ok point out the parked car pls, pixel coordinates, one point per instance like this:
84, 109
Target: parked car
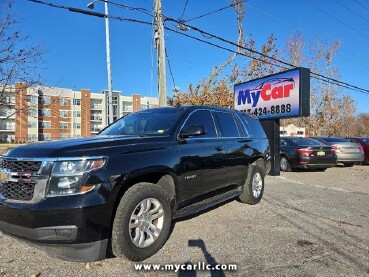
347, 152
125, 185
364, 141
298, 152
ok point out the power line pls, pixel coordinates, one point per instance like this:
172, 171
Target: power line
261, 54
361, 4
300, 31
333, 81
347, 8
338, 20
218, 10
170, 69
184, 9
91, 13
143, 10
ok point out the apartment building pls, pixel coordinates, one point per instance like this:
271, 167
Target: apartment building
30, 114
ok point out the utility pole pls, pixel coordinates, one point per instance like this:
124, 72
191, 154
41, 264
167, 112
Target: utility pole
160, 49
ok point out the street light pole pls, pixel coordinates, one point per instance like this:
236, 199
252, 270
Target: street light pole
108, 65
108, 61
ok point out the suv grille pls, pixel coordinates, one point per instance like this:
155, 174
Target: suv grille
20, 166
18, 179
17, 191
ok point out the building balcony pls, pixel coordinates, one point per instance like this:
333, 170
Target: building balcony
7, 128
95, 129
128, 109
7, 115
96, 107
96, 118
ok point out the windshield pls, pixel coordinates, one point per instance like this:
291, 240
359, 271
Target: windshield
149, 122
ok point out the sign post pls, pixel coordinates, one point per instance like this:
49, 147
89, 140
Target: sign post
282, 95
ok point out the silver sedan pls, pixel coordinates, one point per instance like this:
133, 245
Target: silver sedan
347, 152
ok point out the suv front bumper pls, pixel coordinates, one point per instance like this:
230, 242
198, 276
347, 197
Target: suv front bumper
72, 228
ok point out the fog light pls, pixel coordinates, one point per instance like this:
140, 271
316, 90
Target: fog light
65, 233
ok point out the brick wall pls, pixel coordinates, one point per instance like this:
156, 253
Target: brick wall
136, 102
21, 115
85, 113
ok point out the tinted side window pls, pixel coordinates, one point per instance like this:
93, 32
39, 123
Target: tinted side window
227, 125
241, 128
255, 129
203, 118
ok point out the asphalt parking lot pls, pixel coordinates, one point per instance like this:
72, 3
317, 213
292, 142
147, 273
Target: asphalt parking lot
308, 224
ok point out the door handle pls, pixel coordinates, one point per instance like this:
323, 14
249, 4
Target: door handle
219, 148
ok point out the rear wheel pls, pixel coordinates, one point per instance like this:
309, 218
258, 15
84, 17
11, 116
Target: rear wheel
348, 164
253, 188
285, 165
142, 222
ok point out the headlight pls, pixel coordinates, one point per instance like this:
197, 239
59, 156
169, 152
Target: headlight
69, 177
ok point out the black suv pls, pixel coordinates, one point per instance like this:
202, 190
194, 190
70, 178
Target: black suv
125, 185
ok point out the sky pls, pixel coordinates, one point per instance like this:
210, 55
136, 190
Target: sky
76, 51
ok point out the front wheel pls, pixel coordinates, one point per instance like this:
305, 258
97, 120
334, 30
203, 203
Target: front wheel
253, 188
142, 222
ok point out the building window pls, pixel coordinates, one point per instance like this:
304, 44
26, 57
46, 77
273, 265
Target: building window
45, 112
127, 106
145, 106
63, 125
32, 124
76, 125
45, 124
77, 102
32, 112
64, 136
76, 114
63, 102
63, 114
32, 99
44, 137
45, 100
32, 137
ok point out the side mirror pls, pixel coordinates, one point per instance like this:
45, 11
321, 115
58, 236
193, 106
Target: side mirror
192, 131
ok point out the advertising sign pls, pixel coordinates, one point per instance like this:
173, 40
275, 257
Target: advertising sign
281, 95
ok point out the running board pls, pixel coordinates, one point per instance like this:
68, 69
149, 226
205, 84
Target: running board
206, 203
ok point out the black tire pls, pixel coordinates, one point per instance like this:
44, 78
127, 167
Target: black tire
285, 164
348, 164
122, 244
248, 196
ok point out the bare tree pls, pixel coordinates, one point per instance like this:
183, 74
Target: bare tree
19, 59
330, 108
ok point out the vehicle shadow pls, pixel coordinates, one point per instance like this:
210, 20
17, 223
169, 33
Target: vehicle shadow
210, 261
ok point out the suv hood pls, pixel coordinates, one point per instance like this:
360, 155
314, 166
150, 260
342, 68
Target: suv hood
94, 146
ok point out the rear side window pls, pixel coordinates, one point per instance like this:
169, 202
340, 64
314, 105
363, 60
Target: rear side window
227, 125
202, 118
334, 139
253, 126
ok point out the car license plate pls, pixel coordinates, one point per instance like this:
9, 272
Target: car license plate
320, 153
